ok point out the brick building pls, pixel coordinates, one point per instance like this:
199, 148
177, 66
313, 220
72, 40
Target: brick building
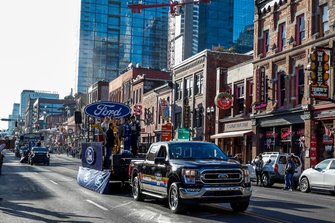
195, 89
293, 90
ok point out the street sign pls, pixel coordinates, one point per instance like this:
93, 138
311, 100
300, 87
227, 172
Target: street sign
183, 134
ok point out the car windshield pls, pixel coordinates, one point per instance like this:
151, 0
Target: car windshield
40, 149
269, 159
196, 151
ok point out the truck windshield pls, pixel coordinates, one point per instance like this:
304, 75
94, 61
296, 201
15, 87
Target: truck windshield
196, 151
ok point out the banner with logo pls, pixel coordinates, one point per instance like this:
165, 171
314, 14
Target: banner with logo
92, 155
103, 109
94, 179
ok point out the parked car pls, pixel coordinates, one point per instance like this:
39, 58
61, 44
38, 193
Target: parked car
274, 168
190, 172
252, 172
320, 177
39, 155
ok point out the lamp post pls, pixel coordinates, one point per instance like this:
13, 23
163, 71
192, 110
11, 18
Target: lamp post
210, 113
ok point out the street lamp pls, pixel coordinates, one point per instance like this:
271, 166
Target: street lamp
210, 113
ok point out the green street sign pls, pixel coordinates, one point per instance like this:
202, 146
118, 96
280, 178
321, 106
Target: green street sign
183, 134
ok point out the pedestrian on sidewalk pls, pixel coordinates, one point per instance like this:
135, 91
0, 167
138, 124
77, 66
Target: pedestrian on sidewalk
289, 172
2, 156
259, 163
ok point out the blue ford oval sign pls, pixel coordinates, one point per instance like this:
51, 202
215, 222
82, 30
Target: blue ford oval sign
107, 109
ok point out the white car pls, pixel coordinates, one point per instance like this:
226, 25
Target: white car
320, 177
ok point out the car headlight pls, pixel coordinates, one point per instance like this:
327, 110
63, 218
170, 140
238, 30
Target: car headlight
189, 176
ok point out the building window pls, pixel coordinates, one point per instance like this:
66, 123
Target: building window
178, 90
133, 97
266, 42
177, 123
300, 29
239, 97
324, 17
188, 87
199, 80
281, 89
281, 36
227, 112
300, 82
140, 99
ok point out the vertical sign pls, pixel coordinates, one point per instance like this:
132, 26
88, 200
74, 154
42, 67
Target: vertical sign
260, 89
319, 73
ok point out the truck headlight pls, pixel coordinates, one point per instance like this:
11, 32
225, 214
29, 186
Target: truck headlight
246, 176
189, 176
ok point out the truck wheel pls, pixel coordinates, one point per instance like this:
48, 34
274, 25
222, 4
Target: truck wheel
138, 196
175, 202
239, 206
304, 185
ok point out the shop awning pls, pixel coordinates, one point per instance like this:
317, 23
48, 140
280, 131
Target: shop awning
230, 134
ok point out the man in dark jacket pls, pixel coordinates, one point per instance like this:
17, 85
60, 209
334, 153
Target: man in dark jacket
289, 172
109, 144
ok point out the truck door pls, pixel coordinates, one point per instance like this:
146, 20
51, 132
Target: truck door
161, 171
148, 178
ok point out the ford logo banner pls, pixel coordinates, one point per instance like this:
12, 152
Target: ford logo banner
107, 109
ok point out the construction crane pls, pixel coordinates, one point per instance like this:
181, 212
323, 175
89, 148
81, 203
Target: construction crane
174, 6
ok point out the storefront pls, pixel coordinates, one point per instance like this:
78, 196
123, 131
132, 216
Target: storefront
284, 133
236, 140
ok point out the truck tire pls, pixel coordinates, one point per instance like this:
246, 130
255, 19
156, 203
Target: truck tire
174, 200
137, 195
239, 206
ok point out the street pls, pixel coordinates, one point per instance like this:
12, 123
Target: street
51, 194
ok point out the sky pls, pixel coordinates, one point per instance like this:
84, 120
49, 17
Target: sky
39, 44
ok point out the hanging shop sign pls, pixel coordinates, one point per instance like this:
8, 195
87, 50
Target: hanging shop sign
167, 132
107, 109
319, 73
137, 109
223, 100
260, 89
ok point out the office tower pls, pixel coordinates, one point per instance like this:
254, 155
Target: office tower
227, 24
113, 38
32, 94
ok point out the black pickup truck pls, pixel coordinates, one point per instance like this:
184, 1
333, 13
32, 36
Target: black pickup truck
190, 172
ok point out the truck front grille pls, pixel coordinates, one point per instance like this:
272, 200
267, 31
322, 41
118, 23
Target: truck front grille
221, 176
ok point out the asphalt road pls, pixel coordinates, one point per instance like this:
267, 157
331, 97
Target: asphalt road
51, 194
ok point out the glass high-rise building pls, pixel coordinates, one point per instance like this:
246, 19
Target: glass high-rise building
26, 95
112, 37
227, 23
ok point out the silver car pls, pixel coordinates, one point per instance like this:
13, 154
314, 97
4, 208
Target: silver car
320, 177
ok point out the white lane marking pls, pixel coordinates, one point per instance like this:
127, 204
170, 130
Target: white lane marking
36, 173
97, 205
121, 205
53, 182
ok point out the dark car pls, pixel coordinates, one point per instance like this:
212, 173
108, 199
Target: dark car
190, 172
39, 155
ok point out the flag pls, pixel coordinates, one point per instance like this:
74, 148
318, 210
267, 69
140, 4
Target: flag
326, 129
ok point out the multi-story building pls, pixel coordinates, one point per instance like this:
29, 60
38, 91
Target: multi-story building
202, 26
157, 114
32, 94
98, 91
294, 78
195, 89
235, 87
112, 37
